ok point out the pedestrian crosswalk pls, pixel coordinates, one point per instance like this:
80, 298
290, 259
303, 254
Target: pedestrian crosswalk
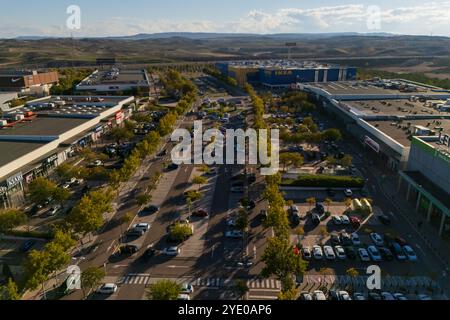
210, 282
135, 279
264, 284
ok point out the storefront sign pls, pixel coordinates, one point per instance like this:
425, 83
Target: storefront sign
119, 117
99, 129
372, 144
52, 159
14, 180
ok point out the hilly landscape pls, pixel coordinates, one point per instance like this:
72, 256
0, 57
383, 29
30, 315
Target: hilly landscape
386, 51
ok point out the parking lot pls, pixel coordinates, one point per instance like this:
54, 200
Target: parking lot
335, 249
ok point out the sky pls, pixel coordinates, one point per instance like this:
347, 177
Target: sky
120, 18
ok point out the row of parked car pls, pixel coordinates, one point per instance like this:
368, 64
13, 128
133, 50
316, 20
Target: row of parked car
340, 295
349, 246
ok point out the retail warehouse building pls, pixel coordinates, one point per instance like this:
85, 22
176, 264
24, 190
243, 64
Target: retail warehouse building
36, 138
284, 73
116, 80
405, 126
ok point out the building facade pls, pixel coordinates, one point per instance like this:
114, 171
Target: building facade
28, 82
426, 182
45, 133
284, 73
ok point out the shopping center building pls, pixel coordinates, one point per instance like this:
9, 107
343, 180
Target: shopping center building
38, 137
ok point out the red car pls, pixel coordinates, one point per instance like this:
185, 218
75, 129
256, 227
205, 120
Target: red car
200, 213
355, 222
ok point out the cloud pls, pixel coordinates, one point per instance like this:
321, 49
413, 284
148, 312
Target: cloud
414, 19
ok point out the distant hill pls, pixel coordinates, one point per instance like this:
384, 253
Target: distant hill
347, 48
211, 36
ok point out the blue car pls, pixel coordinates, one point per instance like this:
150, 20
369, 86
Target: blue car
27, 246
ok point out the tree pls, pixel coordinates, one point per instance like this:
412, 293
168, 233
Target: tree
143, 199
36, 269
242, 221
193, 196
10, 219
60, 195
311, 202
332, 134
347, 160
199, 181
180, 232
88, 214
126, 219
352, 272
289, 295
91, 278
9, 291
324, 232
348, 202
65, 171
241, 288
328, 203
282, 262
121, 134
291, 159
58, 250
41, 189
164, 290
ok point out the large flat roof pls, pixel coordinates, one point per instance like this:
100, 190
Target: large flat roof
282, 65
402, 131
394, 87
42, 126
398, 107
14, 150
106, 77
52, 122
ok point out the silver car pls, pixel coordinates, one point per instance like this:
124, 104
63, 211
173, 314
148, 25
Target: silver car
329, 253
317, 253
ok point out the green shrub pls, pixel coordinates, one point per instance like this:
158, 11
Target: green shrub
31, 234
324, 181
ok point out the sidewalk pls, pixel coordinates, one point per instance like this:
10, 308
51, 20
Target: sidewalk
428, 233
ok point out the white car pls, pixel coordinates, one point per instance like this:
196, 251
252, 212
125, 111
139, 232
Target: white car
374, 253
348, 192
355, 239
53, 211
410, 253
345, 220
340, 252
108, 288
344, 296
98, 163
317, 253
71, 181
364, 255
234, 234
187, 288
377, 239
319, 296
337, 220
144, 227
329, 253
184, 297
171, 251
